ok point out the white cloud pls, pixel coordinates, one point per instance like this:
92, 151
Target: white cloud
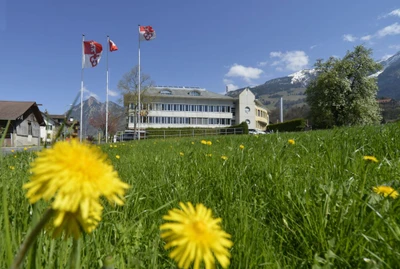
393, 29
246, 73
112, 93
313, 47
366, 37
88, 94
396, 47
232, 87
229, 83
275, 54
290, 60
349, 38
395, 12
262, 63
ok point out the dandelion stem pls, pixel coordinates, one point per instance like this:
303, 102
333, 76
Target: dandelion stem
75, 258
364, 179
19, 258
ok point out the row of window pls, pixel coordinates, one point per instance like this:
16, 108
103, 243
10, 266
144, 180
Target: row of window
168, 92
183, 120
261, 113
182, 107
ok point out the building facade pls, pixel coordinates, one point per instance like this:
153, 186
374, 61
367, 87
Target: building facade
25, 122
179, 107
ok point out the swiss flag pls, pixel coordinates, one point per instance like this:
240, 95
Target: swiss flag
113, 47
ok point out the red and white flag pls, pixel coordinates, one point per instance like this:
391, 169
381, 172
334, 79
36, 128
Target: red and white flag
112, 45
91, 53
147, 33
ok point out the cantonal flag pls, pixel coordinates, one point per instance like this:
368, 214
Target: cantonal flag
91, 53
112, 45
147, 33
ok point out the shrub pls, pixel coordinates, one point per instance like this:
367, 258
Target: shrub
295, 125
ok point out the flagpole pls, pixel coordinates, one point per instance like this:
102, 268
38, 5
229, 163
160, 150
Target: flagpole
81, 120
108, 45
139, 87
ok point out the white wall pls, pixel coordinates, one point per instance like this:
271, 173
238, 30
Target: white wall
246, 100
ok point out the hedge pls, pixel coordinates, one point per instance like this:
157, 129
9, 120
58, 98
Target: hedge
295, 125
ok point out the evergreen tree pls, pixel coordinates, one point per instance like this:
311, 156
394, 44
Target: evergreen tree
343, 94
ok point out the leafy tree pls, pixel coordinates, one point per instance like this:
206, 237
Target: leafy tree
129, 88
343, 93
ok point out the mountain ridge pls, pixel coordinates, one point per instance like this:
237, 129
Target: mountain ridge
292, 87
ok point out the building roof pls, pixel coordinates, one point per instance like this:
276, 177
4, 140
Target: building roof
13, 110
185, 92
56, 116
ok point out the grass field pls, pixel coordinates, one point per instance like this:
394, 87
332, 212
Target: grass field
304, 205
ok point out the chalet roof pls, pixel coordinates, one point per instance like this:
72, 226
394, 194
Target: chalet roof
12, 110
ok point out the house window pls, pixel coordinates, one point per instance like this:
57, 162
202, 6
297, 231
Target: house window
166, 92
29, 128
49, 127
194, 93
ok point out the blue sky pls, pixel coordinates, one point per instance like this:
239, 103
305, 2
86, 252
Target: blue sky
207, 43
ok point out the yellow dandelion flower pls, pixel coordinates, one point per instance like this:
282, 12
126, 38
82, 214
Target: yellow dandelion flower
204, 142
117, 156
115, 146
12, 167
195, 237
75, 175
15, 156
73, 223
192, 143
12, 150
386, 191
241, 147
209, 155
181, 153
209, 143
291, 141
111, 146
223, 157
370, 159
25, 148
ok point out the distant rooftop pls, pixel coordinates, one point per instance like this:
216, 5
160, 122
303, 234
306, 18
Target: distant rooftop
184, 92
180, 88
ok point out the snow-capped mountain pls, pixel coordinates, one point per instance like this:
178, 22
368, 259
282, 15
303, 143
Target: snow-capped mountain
389, 79
303, 76
386, 63
292, 87
390, 61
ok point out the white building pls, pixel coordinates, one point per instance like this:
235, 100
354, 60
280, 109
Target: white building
47, 132
178, 107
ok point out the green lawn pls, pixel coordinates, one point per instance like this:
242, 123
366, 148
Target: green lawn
305, 205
